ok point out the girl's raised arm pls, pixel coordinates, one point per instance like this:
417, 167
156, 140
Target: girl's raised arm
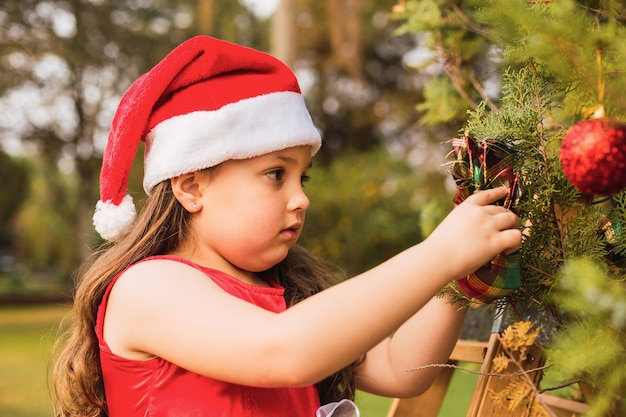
188, 320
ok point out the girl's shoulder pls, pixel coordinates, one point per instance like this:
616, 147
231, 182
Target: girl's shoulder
154, 288
165, 271
165, 261
168, 266
160, 275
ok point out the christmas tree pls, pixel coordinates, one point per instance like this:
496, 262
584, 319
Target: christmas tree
556, 125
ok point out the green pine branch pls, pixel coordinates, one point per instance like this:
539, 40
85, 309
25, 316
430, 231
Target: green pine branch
559, 223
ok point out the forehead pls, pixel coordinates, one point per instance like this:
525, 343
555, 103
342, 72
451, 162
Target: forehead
298, 155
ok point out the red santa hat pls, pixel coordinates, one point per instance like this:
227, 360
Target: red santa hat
206, 102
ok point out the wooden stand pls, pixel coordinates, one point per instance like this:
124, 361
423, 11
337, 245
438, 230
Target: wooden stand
482, 403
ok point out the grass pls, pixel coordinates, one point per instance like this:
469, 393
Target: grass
26, 337
455, 403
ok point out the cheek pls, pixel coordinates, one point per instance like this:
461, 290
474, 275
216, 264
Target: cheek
241, 218
235, 206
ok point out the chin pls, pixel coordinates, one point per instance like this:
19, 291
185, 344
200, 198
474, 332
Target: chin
262, 261
271, 263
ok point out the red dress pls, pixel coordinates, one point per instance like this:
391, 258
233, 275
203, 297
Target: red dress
158, 388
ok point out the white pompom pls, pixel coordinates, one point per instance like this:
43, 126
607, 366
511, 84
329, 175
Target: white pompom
111, 220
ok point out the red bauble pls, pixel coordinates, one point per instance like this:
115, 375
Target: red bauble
593, 156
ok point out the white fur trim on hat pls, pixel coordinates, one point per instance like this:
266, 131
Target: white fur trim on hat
110, 220
244, 129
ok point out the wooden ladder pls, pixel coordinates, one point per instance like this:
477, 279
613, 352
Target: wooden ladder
482, 404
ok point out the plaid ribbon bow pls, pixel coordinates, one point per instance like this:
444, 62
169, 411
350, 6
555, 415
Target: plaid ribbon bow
480, 166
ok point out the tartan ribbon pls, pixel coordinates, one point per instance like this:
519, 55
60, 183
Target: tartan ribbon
480, 166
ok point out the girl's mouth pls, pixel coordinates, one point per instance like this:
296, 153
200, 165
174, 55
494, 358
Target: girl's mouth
292, 232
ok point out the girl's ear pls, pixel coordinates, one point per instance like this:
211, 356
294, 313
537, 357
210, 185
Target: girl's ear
186, 189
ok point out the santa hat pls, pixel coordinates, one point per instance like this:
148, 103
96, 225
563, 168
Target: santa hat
206, 102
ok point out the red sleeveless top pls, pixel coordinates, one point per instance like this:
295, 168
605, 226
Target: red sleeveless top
158, 388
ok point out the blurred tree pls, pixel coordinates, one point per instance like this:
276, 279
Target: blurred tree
456, 50
283, 32
41, 223
14, 176
345, 32
64, 65
354, 73
206, 16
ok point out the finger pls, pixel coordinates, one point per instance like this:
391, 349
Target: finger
507, 220
495, 210
512, 239
485, 197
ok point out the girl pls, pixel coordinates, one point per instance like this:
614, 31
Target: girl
204, 305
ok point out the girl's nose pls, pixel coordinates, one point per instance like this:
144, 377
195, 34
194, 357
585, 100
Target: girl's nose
299, 200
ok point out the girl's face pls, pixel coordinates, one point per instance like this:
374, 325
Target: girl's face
252, 210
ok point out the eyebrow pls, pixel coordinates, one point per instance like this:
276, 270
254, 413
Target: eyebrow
291, 160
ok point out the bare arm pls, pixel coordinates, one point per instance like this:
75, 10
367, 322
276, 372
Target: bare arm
185, 318
426, 338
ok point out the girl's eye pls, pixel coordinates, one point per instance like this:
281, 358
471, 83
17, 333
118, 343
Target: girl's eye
304, 179
276, 174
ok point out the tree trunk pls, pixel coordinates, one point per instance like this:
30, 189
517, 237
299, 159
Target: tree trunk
344, 20
206, 14
283, 43
87, 189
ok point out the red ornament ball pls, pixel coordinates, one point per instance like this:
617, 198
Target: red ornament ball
593, 156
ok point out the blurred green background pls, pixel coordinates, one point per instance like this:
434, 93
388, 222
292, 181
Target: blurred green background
26, 337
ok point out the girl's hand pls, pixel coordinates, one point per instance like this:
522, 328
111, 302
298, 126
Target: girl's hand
475, 232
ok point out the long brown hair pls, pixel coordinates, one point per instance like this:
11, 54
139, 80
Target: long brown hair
160, 228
